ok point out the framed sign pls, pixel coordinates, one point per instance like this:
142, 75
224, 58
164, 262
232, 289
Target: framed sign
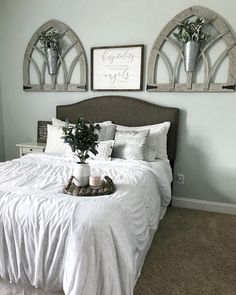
42, 131
117, 68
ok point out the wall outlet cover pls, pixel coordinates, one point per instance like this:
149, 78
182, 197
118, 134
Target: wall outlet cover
180, 178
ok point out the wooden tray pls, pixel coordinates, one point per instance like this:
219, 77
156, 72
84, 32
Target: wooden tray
107, 187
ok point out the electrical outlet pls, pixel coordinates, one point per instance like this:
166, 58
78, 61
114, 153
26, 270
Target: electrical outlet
180, 178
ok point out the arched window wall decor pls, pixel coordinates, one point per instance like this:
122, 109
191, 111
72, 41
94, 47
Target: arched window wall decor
71, 73
216, 64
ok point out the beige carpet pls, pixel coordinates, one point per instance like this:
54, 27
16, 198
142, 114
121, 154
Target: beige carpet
194, 253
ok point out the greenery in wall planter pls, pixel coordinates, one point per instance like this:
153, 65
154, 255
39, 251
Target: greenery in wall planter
50, 42
190, 34
191, 31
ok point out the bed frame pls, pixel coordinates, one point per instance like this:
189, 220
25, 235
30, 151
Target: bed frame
126, 111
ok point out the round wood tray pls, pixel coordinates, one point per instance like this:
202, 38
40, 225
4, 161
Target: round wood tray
107, 187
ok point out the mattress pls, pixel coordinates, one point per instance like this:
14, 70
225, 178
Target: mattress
70, 245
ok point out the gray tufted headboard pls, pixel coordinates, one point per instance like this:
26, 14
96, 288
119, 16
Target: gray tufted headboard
124, 111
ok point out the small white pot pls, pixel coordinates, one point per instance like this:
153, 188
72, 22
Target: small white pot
81, 173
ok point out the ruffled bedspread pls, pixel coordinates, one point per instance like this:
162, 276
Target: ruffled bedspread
81, 245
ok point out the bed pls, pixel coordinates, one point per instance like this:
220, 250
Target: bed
52, 243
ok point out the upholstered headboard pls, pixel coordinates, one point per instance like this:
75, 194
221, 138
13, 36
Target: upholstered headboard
124, 111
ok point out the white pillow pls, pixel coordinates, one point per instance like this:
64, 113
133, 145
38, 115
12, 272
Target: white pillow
55, 143
104, 149
107, 131
130, 145
60, 123
156, 142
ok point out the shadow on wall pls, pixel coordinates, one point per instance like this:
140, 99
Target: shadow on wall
205, 176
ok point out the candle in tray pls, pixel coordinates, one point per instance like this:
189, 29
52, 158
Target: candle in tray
95, 181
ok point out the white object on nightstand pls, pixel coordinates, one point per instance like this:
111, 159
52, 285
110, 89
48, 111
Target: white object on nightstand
30, 147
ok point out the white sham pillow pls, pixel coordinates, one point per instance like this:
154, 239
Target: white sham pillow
107, 131
55, 142
156, 147
104, 149
130, 145
59, 123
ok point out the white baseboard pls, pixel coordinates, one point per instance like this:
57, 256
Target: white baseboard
204, 205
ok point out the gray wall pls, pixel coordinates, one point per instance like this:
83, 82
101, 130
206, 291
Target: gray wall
2, 154
207, 139
2, 149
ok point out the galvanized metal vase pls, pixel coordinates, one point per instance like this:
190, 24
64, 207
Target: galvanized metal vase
191, 50
52, 58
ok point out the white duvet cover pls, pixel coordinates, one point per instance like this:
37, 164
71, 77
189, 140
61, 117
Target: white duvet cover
79, 245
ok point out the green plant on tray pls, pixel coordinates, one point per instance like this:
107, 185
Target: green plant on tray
82, 138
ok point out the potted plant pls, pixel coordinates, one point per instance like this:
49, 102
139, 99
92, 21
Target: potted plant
83, 140
191, 35
50, 42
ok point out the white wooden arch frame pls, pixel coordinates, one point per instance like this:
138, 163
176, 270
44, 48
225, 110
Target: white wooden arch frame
80, 58
223, 32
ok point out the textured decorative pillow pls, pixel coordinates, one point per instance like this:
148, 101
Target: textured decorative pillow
106, 132
157, 140
104, 149
55, 144
130, 145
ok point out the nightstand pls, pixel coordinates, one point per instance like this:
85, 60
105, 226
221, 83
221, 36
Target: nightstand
30, 147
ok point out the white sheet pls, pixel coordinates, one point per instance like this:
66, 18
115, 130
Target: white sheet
89, 246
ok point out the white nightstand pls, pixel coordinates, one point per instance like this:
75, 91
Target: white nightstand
30, 147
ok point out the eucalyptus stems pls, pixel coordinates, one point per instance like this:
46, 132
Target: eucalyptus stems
82, 138
50, 39
191, 31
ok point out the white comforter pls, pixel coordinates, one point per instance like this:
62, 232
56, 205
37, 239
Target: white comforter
89, 246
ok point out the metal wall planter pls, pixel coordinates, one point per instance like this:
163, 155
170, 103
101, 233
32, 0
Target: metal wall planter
52, 57
191, 51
